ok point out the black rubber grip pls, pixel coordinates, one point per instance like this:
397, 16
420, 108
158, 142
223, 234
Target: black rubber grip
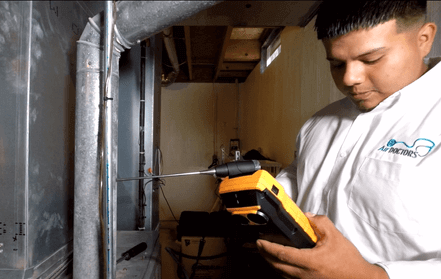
238, 168
134, 251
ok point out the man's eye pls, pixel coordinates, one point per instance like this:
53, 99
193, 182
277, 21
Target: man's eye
370, 62
337, 64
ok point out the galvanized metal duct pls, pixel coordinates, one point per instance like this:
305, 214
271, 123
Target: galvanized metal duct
135, 21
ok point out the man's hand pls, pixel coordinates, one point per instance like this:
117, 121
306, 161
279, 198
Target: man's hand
333, 257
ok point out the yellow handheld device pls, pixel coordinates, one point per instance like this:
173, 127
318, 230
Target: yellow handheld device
262, 200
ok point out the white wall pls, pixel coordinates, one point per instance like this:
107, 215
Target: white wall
196, 119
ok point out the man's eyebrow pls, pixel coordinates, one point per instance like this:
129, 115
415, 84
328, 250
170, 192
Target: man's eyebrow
371, 51
330, 59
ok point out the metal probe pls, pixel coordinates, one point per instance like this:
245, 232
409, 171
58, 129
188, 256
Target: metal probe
212, 171
231, 169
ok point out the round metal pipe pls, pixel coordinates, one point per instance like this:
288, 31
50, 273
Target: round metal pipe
107, 164
88, 256
169, 44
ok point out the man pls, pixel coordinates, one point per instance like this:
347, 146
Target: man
369, 165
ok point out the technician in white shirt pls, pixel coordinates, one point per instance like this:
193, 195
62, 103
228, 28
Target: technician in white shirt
369, 165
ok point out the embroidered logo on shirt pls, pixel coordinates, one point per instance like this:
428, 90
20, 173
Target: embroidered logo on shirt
421, 147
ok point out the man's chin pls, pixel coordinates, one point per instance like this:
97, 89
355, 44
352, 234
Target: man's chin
365, 106
365, 109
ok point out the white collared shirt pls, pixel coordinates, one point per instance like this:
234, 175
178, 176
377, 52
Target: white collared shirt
377, 176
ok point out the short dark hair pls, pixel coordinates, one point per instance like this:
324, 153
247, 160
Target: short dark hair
336, 17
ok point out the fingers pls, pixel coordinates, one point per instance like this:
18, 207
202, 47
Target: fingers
333, 255
323, 227
272, 249
293, 261
283, 254
279, 257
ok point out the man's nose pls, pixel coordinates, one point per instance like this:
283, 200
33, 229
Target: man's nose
354, 74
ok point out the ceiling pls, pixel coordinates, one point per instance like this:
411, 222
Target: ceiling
222, 44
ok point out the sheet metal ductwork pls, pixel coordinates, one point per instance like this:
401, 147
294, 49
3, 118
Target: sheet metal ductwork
135, 21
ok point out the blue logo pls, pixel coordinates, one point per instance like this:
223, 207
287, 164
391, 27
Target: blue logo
420, 147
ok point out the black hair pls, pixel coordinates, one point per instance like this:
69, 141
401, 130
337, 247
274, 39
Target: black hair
336, 17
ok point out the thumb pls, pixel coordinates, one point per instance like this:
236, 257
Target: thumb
310, 215
320, 224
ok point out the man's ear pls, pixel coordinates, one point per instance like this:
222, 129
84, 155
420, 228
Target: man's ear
426, 36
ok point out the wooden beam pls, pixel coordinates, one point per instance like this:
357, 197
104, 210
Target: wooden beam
234, 74
246, 33
238, 66
243, 50
222, 52
188, 51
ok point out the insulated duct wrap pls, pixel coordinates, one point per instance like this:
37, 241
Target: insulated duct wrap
138, 20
